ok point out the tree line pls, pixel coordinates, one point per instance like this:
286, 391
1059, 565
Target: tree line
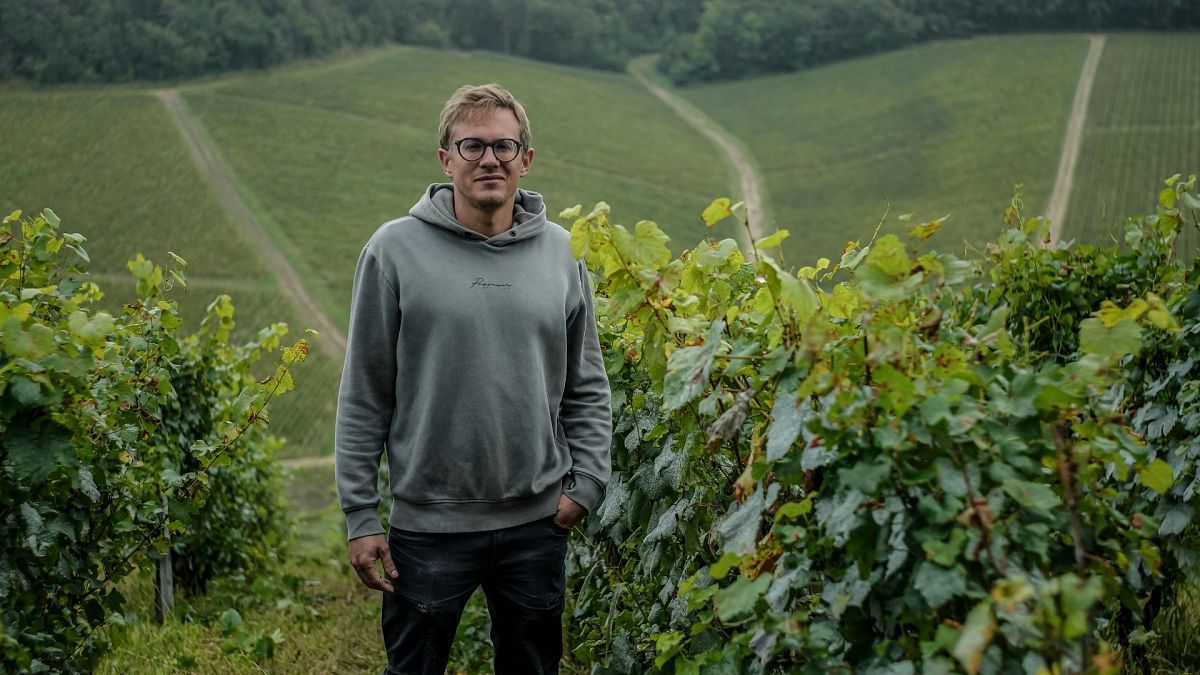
52, 41
739, 38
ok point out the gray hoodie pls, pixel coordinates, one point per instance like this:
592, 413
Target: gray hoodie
474, 362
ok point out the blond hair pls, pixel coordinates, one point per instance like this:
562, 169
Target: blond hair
471, 100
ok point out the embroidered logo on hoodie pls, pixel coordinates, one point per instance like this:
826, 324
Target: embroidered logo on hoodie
483, 283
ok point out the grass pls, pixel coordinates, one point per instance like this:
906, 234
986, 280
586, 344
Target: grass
331, 152
328, 621
945, 127
1143, 126
111, 164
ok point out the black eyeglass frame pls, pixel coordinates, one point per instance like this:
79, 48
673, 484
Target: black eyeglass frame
458, 146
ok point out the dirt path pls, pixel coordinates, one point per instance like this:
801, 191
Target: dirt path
1056, 212
747, 178
306, 462
332, 341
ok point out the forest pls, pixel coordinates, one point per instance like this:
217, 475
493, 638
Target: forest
49, 41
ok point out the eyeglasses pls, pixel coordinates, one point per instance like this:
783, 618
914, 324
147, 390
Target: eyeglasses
472, 149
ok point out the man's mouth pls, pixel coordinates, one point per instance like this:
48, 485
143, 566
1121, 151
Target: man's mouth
485, 179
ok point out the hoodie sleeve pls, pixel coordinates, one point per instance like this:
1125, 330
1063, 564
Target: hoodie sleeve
366, 399
586, 411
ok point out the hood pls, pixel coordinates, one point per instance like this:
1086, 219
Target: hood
436, 208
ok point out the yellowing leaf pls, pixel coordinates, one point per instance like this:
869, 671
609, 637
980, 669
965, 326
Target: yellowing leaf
1151, 555
22, 311
976, 634
924, 231
1159, 315
297, 352
580, 240
772, 240
1167, 198
571, 213
841, 302
717, 211
811, 272
889, 256
1157, 476
140, 267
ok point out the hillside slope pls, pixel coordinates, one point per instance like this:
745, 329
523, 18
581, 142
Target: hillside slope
330, 153
112, 165
947, 127
1144, 126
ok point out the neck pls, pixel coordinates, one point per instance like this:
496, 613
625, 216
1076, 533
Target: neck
488, 222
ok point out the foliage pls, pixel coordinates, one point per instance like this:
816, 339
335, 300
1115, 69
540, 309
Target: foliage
65, 41
737, 38
874, 465
115, 432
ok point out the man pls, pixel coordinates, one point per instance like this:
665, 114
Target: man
473, 359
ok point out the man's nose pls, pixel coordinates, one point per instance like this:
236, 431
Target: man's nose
493, 161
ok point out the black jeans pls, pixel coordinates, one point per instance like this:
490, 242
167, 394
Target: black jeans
522, 572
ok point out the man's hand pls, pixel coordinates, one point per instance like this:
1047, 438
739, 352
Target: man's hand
364, 551
568, 513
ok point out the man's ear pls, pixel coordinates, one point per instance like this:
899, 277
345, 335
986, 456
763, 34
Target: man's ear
526, 162
444, 158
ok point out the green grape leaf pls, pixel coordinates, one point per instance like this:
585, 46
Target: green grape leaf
35, 450
796, 295
786, 422
1124, 337
946, 552
615, 499
1031, 495
938, 584
30, 343
229, 622
739, 598
739, 530
853, 256
688, 369
1176, 519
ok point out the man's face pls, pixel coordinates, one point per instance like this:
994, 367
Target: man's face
486, 184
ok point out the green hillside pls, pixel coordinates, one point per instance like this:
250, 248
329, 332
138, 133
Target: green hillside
329, 153
1143, 125
324, 155
947, 127
111, 164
